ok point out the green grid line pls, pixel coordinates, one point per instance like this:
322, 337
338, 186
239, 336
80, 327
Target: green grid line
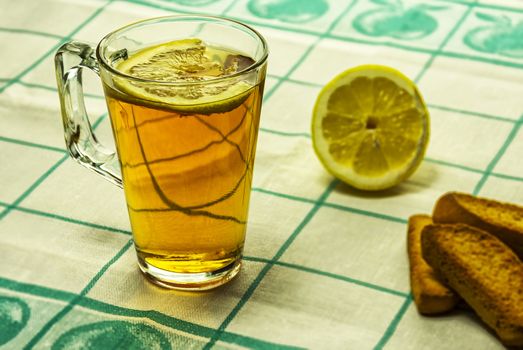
154, 316
298, 82
394, 324
54, 89
330, 275
32, 144
471, 113
285, 133
46, 87
57, 317
283, 195
472, 58
64, 218
37, 290
507, 177
498, 156
453, 165
366, 213
487, 6
54, 48
449, 35
30, 32
341, 207
462, 56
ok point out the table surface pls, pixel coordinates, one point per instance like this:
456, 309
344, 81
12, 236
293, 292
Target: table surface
325, 266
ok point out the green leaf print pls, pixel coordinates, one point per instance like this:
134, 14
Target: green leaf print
396, 21
113, 335
14, 314
294, 11
499, 36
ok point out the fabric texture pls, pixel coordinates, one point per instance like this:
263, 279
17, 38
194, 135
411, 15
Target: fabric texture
325, 266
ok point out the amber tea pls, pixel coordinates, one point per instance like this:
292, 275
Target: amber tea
187, 169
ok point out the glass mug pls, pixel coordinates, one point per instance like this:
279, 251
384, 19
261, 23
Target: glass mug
184, 95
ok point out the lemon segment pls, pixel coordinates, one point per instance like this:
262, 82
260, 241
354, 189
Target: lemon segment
179, 75
370, 127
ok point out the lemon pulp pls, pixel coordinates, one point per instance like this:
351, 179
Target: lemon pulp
187, 76
370, 127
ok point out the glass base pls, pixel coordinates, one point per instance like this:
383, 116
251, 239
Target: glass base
189, 281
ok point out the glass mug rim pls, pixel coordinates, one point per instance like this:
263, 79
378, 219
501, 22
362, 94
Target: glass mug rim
106, 39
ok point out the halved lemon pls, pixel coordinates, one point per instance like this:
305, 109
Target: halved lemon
370, 127
195, 69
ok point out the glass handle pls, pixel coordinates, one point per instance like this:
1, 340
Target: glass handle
81, 142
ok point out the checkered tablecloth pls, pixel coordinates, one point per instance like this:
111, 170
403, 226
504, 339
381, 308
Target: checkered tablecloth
325, 266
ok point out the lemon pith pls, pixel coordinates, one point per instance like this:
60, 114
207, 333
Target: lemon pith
370, 127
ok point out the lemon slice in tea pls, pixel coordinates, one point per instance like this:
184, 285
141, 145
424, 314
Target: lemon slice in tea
370, 127
193, 65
